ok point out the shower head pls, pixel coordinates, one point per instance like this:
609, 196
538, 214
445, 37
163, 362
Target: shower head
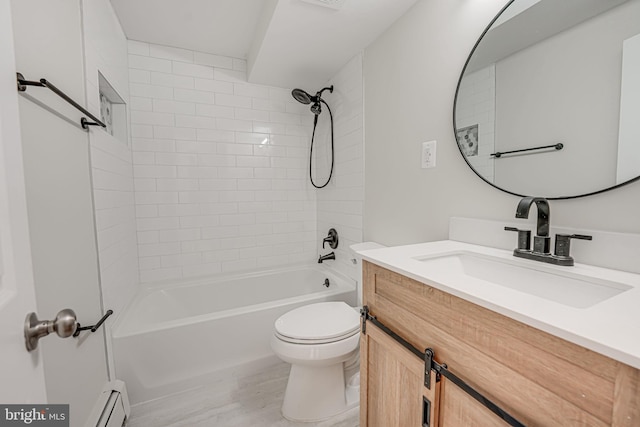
302, 97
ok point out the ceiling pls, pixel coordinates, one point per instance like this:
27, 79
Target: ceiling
287, 43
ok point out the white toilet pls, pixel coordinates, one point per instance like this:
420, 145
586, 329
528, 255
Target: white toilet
321, 343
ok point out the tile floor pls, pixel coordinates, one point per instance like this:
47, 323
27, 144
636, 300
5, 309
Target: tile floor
236, 402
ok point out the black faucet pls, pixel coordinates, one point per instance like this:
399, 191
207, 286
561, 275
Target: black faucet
330, 255
542, 241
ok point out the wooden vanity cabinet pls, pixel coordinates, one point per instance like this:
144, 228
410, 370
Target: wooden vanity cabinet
538, 378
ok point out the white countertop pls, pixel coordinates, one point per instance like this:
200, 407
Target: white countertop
610, 327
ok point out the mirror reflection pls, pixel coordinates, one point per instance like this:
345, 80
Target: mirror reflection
549, 101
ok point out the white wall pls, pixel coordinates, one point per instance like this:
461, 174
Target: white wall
340, 203
219, 167
105, 52
410, 76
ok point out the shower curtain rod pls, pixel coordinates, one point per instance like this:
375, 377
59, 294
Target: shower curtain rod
22, 87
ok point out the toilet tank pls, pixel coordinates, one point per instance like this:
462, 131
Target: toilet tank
356, 259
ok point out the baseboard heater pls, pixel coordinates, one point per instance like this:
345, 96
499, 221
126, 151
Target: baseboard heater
112, 407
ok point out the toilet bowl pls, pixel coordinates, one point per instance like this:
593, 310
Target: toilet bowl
321, 342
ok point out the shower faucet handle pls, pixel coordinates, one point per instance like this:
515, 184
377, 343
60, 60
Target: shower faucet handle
331, 239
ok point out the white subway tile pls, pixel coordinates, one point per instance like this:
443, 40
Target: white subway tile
216, 160
141, 131
182, 209
144, 184
236, 196
149, 144
267, 127
147, 224
140, 104
181, 260
149, 263
154, 198
189, 95
197, 172
251, 90
137, 48
269, 173
233, 100
213, 60
214, 86
167, 132
215, 135
287, 118
231, 266
195, 122
198, 221
234, 125
170, 53
193, 70
143, 158
235, 172
150, 91
228, 148
176, 159
179, 235
215, 111
223, 255
149, 64
168, 184
176, 107
268, 150
237, 219
247, 114
206, 244
218, 208
252, 161
238, 242
218, 184
139, 76
151, 118
268, 105
255, 207
229, 75
146, 211
171, 80
199, 196
155, 171
196, 147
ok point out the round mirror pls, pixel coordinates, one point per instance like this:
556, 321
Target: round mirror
548, 102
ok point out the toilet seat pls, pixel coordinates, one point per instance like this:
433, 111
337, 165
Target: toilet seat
319, 323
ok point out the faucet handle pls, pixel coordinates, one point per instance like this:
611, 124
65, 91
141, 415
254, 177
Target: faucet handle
563, 243
524, 238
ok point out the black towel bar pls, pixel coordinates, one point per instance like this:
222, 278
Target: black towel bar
22, 86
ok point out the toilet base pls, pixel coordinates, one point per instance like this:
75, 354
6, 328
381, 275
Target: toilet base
317, 393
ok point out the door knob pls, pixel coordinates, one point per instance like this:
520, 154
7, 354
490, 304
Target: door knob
65, 325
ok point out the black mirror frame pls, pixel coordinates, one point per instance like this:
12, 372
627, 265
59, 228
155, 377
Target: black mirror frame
455, 102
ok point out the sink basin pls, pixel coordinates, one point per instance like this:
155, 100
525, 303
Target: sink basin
562, 286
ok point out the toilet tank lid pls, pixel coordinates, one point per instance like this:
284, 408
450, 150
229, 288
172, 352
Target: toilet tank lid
365, 246
322, 320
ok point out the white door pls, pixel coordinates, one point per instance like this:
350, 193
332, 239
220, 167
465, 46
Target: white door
21, 373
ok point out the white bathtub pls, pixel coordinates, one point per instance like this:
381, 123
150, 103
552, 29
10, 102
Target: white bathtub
177, 336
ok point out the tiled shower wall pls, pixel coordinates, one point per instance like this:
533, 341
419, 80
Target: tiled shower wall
219, 167
340, 202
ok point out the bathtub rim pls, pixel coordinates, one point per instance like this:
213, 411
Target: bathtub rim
120, 330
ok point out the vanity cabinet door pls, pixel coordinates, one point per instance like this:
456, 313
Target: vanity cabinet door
460, 409
392, 391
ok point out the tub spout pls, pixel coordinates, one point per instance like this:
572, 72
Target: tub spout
330, 255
